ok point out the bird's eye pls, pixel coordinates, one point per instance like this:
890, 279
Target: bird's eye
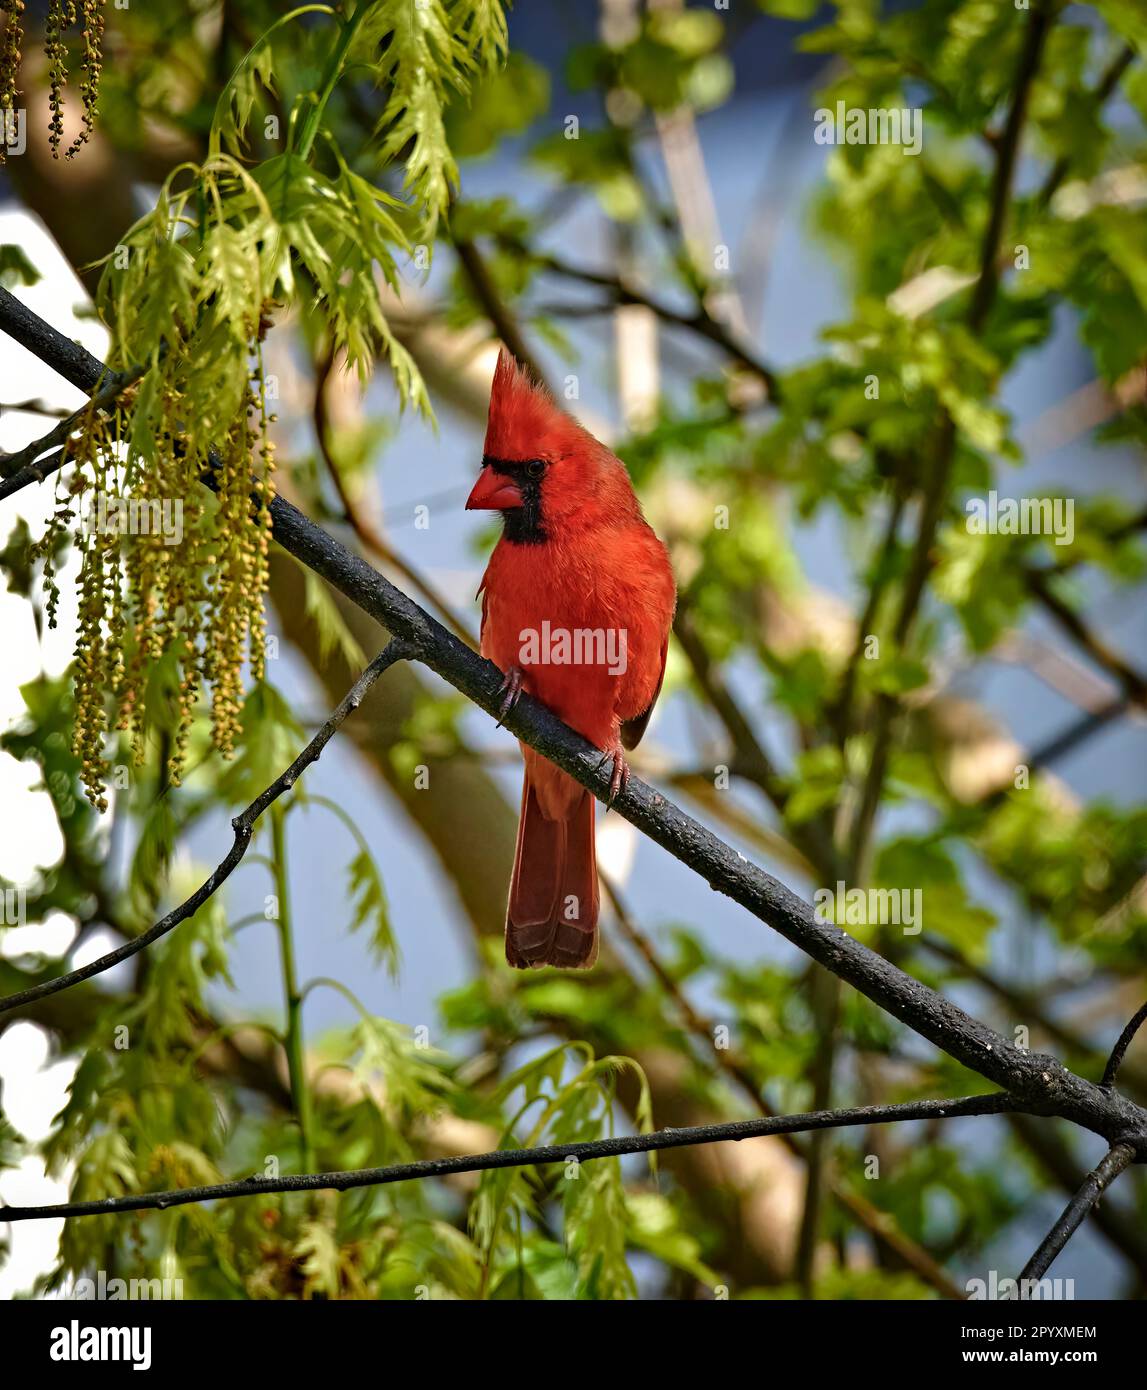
535, 468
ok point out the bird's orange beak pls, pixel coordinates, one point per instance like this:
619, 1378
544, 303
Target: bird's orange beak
493, 493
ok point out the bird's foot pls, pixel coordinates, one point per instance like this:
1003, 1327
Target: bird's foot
619, 780
510, 691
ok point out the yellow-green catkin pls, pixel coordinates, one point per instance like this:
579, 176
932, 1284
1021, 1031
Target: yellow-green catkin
99, 608
11, 44
91, 69
61, 15
264, 495
56, 51
140, 598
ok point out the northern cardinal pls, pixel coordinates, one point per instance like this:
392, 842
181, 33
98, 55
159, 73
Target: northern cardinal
577, 603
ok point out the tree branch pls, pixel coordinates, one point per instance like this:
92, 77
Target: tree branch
369, 535
1103, 90
1041, 1082
1134, 684
1119, 1051
244, 828
1117, 1158
1049, 1147
501, 320
996, 1104
35, 461
936, 489
750, 760
700, 321
880, 1225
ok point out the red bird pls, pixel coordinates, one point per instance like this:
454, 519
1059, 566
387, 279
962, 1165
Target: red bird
577, 602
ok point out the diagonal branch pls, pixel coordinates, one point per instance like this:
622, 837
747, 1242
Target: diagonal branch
750, 760
486, 292
369, 535
36, 461
1119, 1051
114, 385
998, 1103
1117, 1158
1042, 1082
1134, 683
244, 828
879, 1224
1103, 90
700, 321
1052, 1151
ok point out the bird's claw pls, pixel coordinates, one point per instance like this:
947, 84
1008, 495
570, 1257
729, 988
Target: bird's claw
510, 691
619, 779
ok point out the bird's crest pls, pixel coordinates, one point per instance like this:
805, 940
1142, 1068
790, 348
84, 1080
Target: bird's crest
524, 419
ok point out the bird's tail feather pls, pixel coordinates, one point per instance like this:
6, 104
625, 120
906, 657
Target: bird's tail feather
552, 913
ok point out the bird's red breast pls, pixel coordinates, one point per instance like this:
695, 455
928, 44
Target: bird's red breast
578, 596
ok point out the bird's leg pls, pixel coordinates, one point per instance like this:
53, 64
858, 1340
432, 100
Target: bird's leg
619, 781
510, 691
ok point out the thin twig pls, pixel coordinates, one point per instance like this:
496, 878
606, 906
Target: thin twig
1117, 1158
699, 321
244, 828
1104, 88
370, 537
1050, 1148
936, 489
751, 761
1133, 682
502, 321
996, 1104
880, 1225
34, 406
35, 462
841, 710
1119, 1051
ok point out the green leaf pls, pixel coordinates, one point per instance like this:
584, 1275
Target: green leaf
370, 909
15, 267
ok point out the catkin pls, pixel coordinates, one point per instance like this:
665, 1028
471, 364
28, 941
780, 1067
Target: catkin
91, 69
200, 600
61, 15
11, 45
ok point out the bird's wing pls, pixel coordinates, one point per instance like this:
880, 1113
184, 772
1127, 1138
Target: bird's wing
633, 730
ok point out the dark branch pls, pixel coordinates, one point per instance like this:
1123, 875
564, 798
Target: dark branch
1119, 1051
1049, 1146
501, 320
936, 488
878, 1223
700, 321
24, 460
1133, 682
244, 828
996, 1104
1104, 88
1119, 1157
1041, 1082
